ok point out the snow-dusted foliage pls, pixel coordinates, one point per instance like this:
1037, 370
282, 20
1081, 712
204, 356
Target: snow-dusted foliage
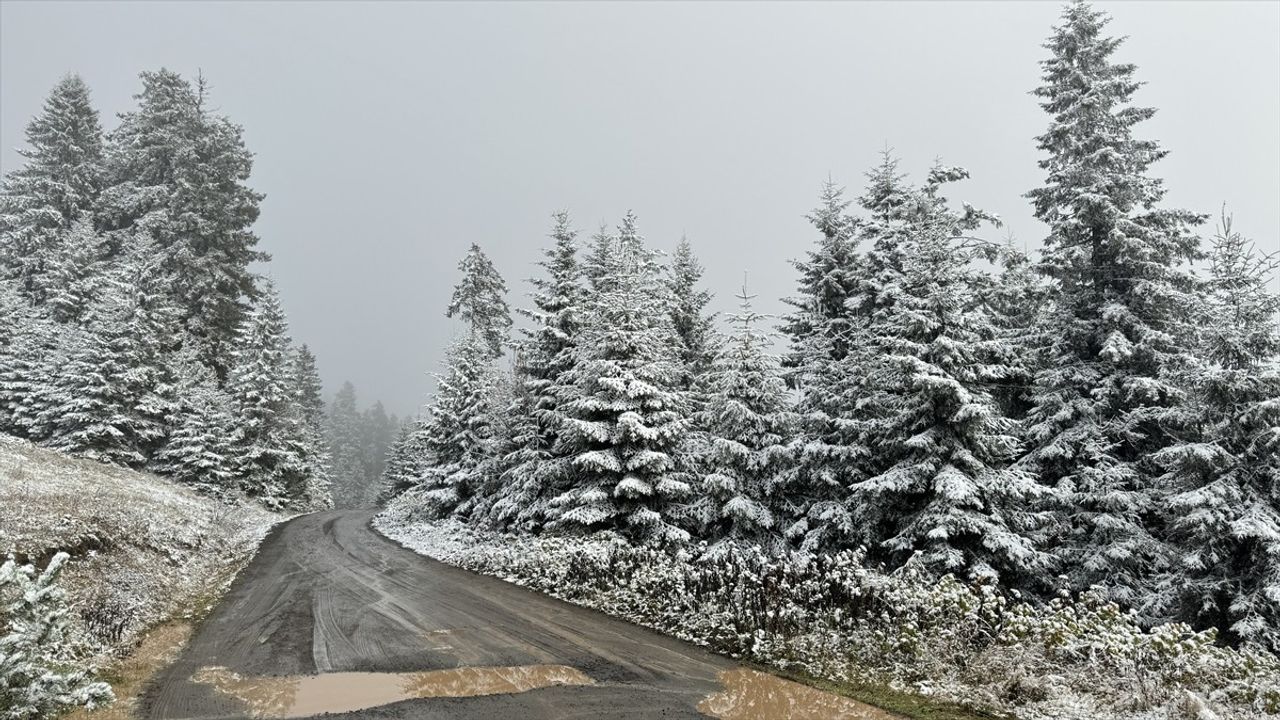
622, 416
693, 322
176, 173
458, 429
120, 259
747, 422
39, 676
57, 186
199, 451
308, 394
943, 487
833, 616
1223, 510
533, 471
1106, 402
478, 299
269, 433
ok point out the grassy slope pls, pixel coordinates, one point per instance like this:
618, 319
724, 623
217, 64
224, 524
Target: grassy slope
143, 548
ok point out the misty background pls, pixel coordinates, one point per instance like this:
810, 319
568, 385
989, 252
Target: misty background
388, 137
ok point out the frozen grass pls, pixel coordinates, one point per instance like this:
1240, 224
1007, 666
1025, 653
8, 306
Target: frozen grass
833, 618
143, 549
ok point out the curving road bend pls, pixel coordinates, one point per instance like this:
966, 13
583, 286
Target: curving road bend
327, 594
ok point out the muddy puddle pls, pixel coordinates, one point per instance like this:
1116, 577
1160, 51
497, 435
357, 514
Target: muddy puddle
305, 695
752, 695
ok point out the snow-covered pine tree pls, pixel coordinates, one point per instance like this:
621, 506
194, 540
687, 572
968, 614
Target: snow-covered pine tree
544, 355
57, 185
622, 415
1223, 514
457, 431
1104, 403
28, 362
346, 448
945, 486
693, 323
479, 300
177, 173
747, 419
376, 434
199, 451
36, 679
74, 270
308, 393
106, 400
403, 467
268, 430
809, 497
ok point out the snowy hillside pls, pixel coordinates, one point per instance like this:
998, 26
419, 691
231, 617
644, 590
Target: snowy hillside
142, 548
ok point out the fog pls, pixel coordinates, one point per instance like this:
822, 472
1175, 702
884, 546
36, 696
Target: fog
391, 136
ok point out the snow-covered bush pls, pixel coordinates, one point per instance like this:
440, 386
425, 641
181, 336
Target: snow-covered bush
39, 673
834, 616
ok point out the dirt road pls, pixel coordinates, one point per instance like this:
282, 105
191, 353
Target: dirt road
327, 594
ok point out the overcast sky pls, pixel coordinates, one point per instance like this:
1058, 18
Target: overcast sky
390, 136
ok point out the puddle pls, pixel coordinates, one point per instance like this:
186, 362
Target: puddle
752, 695
304, 695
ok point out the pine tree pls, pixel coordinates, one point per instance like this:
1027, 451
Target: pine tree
944, 486
58, 185
403, 467
1223, 516
693, 324
622, 416
199, 450
346, 447
377, 431
479, 300
268, 433
457, 431
1104, 403
824, 327
35, 635
308, 394
106, 401
747, 419
533, 473
177, 173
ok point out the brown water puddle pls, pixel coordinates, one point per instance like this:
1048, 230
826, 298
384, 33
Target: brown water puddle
752, 695
304, 695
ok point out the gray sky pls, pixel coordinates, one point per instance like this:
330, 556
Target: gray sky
390, 136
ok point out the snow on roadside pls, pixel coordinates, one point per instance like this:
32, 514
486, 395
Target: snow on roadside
143, 549
840, 620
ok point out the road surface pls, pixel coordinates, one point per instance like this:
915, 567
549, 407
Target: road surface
327, 594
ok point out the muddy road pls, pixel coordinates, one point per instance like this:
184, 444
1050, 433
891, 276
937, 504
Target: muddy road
333, 617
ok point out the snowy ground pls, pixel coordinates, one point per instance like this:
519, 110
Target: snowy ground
1080, 659
143, 549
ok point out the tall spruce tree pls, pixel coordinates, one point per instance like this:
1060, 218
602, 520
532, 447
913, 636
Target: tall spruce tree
268, 458
825, 326
622, 415
308, 394
747, 420
177, 173
944, 485
1223, 514
479, 300
57, 185
533, 472
346, 447
458, 431
694, 325
1104, 403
